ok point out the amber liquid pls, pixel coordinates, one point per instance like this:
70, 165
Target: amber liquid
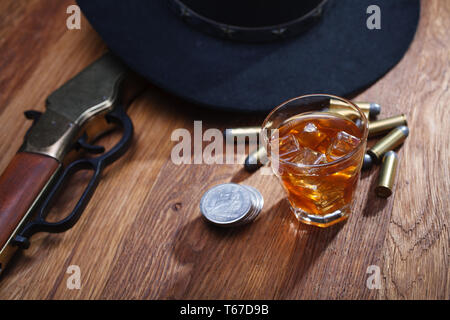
318, 164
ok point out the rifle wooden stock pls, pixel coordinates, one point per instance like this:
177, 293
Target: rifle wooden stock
20, 185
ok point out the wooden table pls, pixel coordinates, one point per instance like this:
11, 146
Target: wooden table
142, 237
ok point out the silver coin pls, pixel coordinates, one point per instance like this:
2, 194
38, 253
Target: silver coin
258, 203
226, 204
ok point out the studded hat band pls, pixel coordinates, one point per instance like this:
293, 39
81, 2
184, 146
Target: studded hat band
247, 34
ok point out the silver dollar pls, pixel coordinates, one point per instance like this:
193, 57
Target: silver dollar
226, 203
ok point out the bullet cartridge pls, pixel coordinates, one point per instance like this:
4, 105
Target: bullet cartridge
385, 125
256, 159
347, 112
392, 140
242, 132
387, 176
367, 162
369, 108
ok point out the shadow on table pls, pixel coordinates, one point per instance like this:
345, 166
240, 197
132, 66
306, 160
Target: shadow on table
374, 204
265, 259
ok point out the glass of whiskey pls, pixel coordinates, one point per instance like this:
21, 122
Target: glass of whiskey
316, 147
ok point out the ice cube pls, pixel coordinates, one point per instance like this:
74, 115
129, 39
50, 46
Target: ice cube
341, 145
330, 200
310, 127
307, 156
287, 147
322, 158
311, 137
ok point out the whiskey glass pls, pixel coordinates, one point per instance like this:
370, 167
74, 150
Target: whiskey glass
316, 145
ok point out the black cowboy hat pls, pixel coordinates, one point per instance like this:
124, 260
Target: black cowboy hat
250, 55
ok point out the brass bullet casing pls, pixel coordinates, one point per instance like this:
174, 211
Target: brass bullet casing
387, 176
256, 159
242, 132
389, 142
384, 125
348, 112
369, 108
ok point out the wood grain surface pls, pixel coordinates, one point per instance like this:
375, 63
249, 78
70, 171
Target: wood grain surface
142, 236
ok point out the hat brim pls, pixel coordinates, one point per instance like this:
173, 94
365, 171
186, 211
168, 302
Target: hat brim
338, 55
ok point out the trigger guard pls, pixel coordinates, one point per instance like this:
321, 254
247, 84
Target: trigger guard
97, 164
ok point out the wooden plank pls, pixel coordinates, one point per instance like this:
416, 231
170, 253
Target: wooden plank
416, 250
142, 235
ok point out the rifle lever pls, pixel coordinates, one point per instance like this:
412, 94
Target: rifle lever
97, 164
